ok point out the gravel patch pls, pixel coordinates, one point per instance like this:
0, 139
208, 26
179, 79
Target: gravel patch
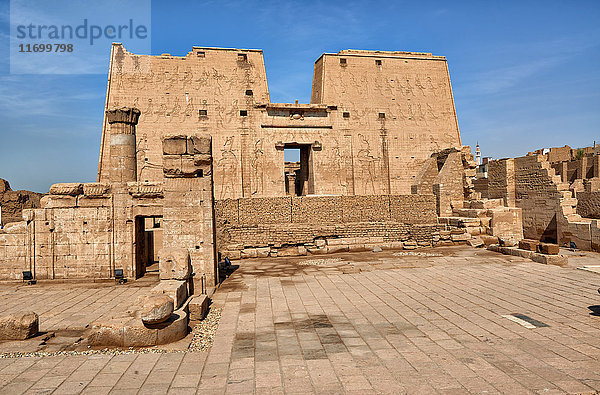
204, 332
415, 253
320, 262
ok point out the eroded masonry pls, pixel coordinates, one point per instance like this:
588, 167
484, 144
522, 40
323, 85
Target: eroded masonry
193, 170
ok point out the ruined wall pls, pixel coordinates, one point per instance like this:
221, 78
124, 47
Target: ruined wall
400, 106
449, 184
588, 204
13, 251
188, 202
13, 202
501, 180
538, 196
279, 222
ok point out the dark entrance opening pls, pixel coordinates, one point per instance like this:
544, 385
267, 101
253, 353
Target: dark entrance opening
148, 242
297, 171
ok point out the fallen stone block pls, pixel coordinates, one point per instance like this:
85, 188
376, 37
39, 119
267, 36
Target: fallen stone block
530, 245
19, 326
127, 331
175, 289
475, 242
558, 260
198, 307
377, 249
508, 242
489, 240
174, 264
460, 237
156, 309
547, 248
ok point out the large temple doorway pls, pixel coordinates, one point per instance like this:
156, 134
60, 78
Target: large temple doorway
297, 169
148, 242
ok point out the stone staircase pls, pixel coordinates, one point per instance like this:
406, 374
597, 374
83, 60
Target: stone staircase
486, 217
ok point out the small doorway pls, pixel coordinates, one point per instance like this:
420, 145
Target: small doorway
298, 181
148, 242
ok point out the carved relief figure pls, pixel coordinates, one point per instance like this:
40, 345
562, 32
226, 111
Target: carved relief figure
257, 164
368, 165
339, 166
228, 168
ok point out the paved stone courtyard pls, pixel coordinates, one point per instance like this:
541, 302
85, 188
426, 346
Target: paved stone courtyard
380, 324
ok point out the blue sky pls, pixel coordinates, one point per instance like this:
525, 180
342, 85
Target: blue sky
525, 74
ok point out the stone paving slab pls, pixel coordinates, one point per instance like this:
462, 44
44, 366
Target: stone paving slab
435, 327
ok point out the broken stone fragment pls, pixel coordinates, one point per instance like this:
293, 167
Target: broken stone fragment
475, 242
156, 309
174, 264
19, 326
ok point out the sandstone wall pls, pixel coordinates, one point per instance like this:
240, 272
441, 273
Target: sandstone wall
414, 94
13, 252
588, 204
13, 202
407, 209
368, 133
300, 221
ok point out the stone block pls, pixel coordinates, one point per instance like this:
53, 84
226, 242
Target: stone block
263, 252
248, 253
175, 289
19, 326
199, 145
175, 145
96, 189
530, 245
558, 260
156, 309
460, 237
547, 248
174, 263
475, 242
67, 188
198, 307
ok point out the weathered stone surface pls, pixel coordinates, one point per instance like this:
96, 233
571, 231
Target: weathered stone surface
176, 289
199, 145
475, 242
19, 326
198, 307
547, 248
96, 189
530, 245
174, 264
174, 145
156, 309
67, 188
